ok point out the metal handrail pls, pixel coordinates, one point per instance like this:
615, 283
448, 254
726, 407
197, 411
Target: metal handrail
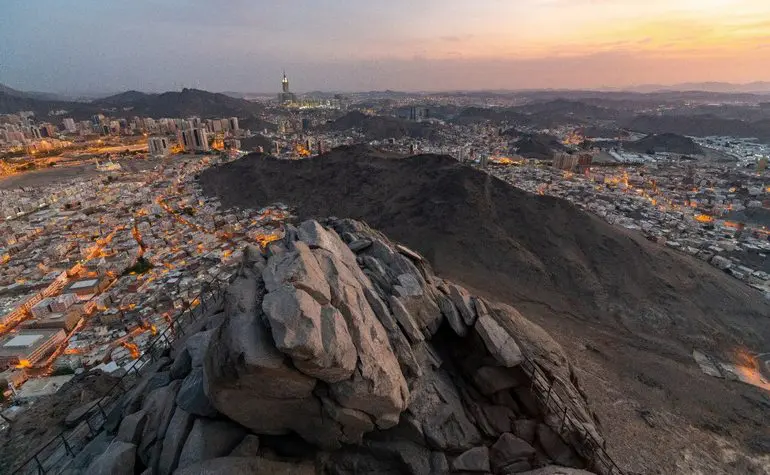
117, 389
568, 417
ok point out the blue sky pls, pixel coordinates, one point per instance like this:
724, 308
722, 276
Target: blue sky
88, 45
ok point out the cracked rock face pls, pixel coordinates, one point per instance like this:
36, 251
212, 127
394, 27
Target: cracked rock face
339, 337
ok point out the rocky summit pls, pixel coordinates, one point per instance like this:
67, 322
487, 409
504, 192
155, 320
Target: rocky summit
341, 352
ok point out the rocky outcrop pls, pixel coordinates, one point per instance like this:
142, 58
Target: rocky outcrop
341, 352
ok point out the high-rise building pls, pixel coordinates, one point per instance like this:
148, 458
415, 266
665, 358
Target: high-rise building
194, 140
158, 146
286, 97
565, 161
234, 123
69, 125
48, 130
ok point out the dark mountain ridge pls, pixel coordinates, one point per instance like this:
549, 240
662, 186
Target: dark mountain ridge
628, 310
381, 127
538, 146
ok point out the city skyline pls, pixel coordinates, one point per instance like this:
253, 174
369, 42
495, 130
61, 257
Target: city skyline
347, 46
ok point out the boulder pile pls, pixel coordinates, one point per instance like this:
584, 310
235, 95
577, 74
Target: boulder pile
340, 352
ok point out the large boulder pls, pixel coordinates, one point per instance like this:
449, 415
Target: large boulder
298, 269
556, 449
509, 450
181, 366
377, 387
192, 395
472, 460
159, 406
248, 447
196, 347
315, 337
499, 342
132, 427
81, 412
462, 300
176, 435
452, 315
209, 439
118, 459
247, 379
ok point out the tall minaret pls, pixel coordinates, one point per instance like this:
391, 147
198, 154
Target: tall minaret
285, 82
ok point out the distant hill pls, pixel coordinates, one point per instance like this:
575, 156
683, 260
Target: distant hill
257, 124
381, 127
186, 103
603, 132
493, 114
563, 111
10, 104
538, 146
253, 143
717, 87
512, 132
124, 98
671, 143
10, 91
699, 126
43, 96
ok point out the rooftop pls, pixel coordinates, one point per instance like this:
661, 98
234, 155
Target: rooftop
22, 341
84, 283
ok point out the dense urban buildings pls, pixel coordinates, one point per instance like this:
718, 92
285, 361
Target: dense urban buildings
106, 237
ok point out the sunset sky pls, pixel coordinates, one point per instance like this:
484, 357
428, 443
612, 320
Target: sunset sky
243, 45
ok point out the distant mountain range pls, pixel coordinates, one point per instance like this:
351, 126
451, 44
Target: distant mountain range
758, 87
43, 96
185, 103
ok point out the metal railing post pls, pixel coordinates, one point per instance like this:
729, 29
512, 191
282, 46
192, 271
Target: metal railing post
101, 409
90, 429
67, 447
563, 420
40, 468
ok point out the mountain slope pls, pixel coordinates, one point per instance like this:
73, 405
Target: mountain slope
542, 247
630, 311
